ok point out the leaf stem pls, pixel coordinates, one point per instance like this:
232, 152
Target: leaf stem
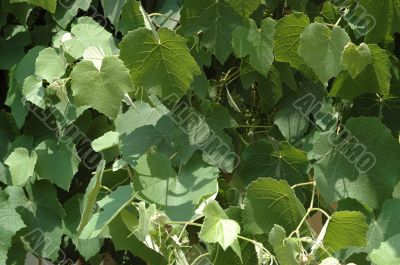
165, 16
199, 258
303, 184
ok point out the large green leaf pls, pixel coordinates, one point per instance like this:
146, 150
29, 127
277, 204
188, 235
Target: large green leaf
364, 166
57, 162
10, 224
374, 79
159, 63
269, 202
43, 216
131, 17
257, 43
287, 39
321, 48
110, 207
283, 161
101, 89
345, 229
216, 20
217, 227
245, 7
50, 65
177, 194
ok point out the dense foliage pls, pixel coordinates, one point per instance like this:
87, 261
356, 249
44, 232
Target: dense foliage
200, 131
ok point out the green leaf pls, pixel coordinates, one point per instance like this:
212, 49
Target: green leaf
245, 7
345, 229
145, 221
21, 164
363, 162
57, 162
216, 20
49, 5
34, 92
131, 17
87, 247
374, 79
112, 10
101, 89
269, 202
110, 207
321, 48
177, 194
108, 140
10, 224
164, 67
50, 65
378, 19
89, 199
42, 205
355, 59
217, 227
287, 40
122, 240
285, 249
257, 43
65, 13
388, 252
283, 161
88, 33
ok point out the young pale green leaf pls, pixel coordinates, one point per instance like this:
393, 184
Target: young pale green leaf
216, 20
164, 67
217, 227
355, 59
260, 159
21, 164
89, 199
388, 252
85, 33
345, 229
364, 165
322, 48
57, 162
101, 89
110, 206
34, 92
50, 65
177, 194
108, 140
269, 202
374, 79
257, 43
285, 249
146, 215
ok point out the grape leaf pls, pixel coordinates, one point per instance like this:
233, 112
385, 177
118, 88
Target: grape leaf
263, 159
21, 164
110, 207
364, 166
177, 194
49, 5
286, 249
388, 252
57, 162
217, 227
174, 66
245, 7
101, 89
216, 20
257, 43
321, 48
66, 11
131, 17
355, 59
50, 65
269, 202
345, 229
374, 79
